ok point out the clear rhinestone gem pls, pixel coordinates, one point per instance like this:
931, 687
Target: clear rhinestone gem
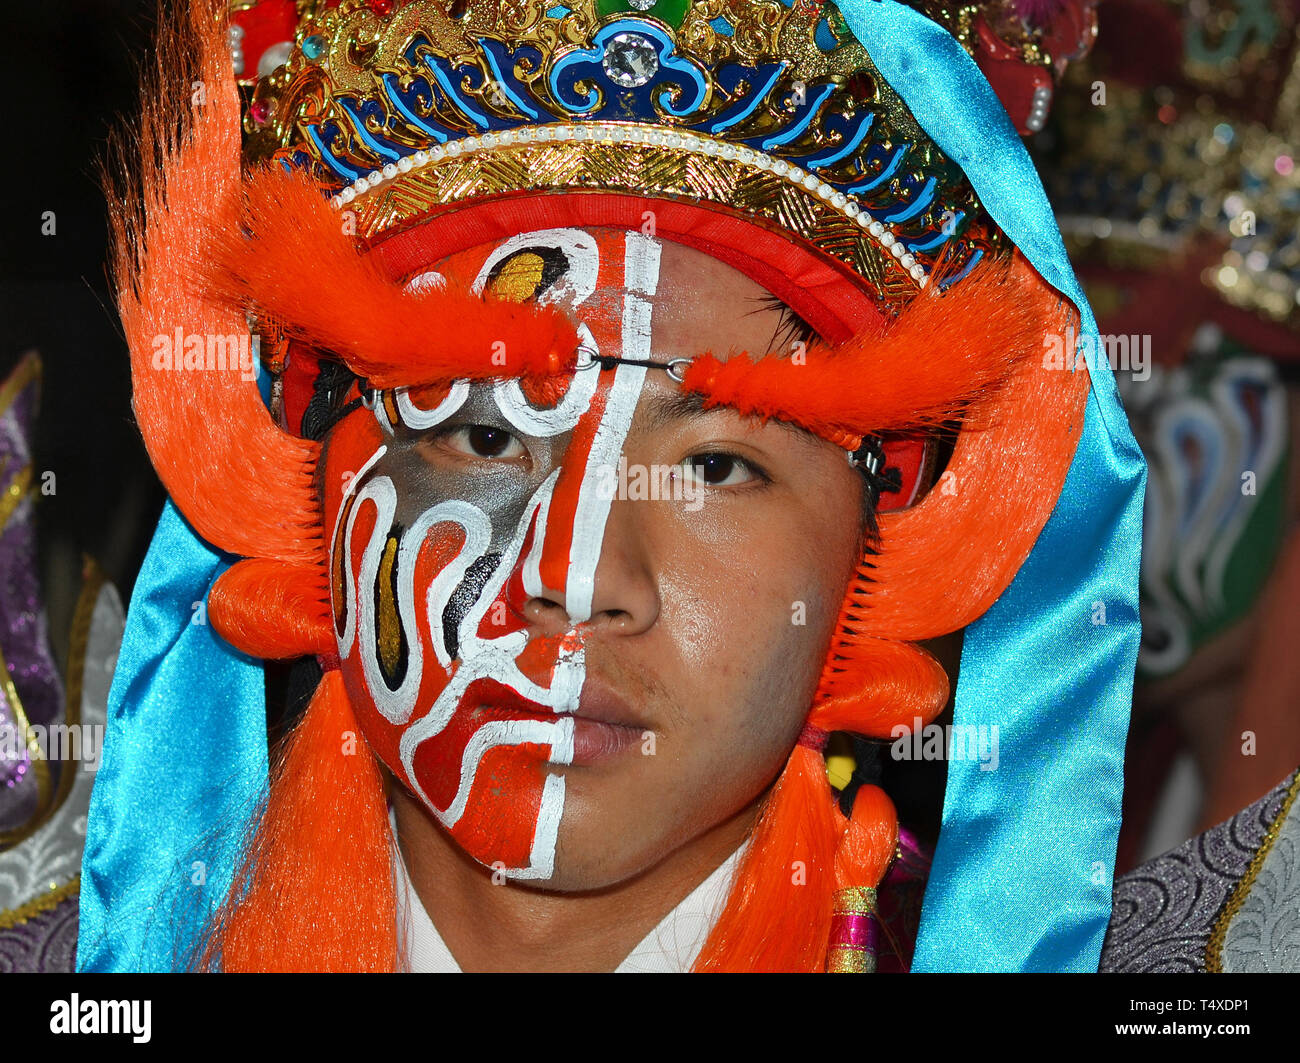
630, 60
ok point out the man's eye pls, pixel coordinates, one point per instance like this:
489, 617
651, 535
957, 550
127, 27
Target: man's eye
484, 441
717, 470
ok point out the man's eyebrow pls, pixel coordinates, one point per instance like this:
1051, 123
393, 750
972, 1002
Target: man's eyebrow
662, 410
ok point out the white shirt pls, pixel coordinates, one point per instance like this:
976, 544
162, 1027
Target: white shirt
671, 947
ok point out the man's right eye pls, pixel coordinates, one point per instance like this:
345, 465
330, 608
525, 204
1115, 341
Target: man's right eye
484, 441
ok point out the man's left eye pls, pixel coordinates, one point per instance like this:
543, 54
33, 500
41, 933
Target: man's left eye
717, 470
484, 441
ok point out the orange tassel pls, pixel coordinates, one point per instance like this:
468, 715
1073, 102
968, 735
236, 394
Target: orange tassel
778, 913
273, 610
317, 891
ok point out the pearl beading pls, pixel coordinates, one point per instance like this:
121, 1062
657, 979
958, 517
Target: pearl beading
235, 40
642, 136
1039, 106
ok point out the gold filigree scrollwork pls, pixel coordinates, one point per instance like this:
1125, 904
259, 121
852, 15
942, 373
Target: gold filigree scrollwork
756, 25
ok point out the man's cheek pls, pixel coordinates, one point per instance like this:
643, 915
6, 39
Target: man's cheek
504, 803
458, 750
381, 632
773, 685
352, 446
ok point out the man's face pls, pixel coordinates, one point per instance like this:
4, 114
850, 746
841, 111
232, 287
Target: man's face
573, 684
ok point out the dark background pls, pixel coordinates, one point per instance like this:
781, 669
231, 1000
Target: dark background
75, 63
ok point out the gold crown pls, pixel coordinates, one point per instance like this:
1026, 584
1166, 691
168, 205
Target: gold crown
753, 107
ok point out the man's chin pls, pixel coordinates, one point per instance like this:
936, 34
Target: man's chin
580, 877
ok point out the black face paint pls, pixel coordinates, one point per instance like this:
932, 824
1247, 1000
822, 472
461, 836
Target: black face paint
463, 598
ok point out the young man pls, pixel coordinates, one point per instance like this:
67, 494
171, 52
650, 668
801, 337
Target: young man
591, 558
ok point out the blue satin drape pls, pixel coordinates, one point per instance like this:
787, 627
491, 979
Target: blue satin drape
184, 763
1022, 873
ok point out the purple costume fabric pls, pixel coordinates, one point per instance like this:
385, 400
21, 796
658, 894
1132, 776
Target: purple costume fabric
23, 637
30, 940
900, 895
1165, 911
45, 942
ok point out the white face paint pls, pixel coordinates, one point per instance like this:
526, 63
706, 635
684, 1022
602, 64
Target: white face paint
426, 572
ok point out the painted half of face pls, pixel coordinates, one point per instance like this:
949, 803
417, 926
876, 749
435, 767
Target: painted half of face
556, 610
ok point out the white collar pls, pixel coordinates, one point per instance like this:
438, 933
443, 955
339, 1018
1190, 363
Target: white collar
671, 947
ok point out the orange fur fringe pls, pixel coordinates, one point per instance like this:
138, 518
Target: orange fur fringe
244, 485
293, 260
943, 563
918, 371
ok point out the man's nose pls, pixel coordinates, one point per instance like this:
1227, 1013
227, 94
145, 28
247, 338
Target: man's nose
607, 578
625, 590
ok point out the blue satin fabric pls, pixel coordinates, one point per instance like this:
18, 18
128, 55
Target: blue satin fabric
1022, 873
184, 763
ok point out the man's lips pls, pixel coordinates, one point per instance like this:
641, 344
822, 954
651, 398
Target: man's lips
603, 723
